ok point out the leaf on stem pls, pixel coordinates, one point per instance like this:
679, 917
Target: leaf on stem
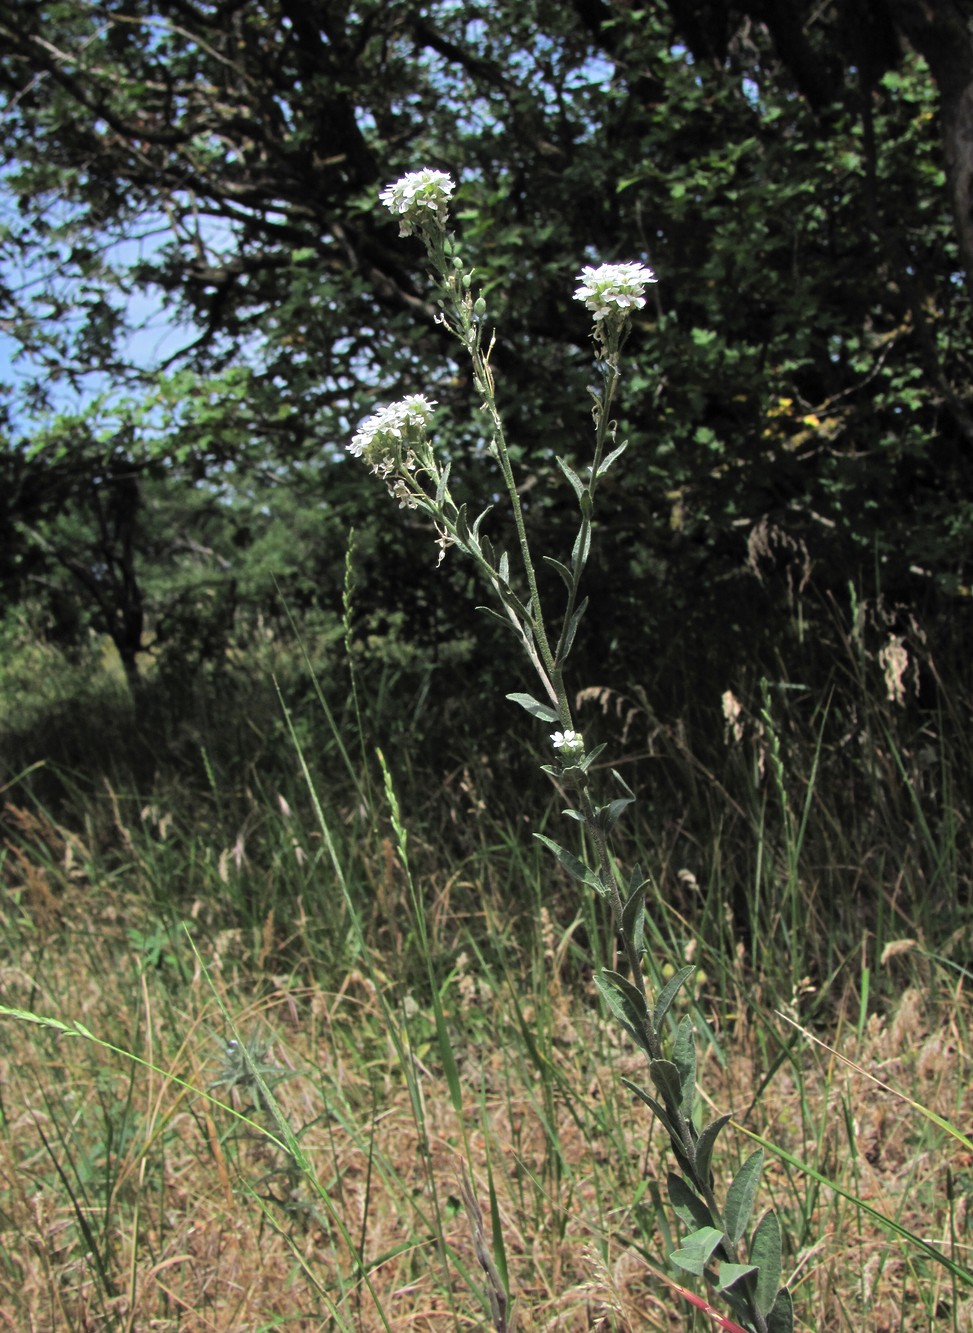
668, 994
575, 868
697, 1249
687, 1206
577, 485
570, 630
627, 1004
479, 520
781, 1317
581, 547
684, 1058
607, 461
633, 918
733, 1273
534, 707
562, 569
441, 485
765, 1248
658, 1110
741, 1194
705, 1144
666, 1078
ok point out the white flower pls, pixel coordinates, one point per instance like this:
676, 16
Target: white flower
570, 743
613, 289
420, 196
391, 428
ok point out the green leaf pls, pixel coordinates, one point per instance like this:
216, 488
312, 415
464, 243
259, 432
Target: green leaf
562, 569
666, 1078
687, 1205
534, 707
740, 1196
657, 1109
608, 815
626, 1003
668, 994
705, 1144
570, 630
577, 485
575, 868
765, 1248
781, 1317
731, 1273
697, 1249
581, 547
606, 462
633, 918
684, 1058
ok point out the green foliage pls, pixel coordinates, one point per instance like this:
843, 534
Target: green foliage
798, 414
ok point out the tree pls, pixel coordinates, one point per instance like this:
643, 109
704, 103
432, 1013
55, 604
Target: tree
804, 376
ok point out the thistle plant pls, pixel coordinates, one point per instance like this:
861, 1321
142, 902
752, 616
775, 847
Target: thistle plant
396, 444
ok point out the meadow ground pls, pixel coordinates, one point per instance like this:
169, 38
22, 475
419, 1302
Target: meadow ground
254, 1036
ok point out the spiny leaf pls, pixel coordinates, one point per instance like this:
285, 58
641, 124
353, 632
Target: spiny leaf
741, 1194
697, 1249
765, 1249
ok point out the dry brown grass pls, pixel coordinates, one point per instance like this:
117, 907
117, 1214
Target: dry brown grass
204, 1226
188, 1245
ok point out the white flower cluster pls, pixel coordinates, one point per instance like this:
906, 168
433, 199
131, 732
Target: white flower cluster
418, 197
570, 743
391, 428
613, 289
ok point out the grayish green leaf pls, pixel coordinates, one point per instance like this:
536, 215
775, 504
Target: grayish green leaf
740, 1196
687, 1205
534, 707
765, 1248
697, 1249
668, 994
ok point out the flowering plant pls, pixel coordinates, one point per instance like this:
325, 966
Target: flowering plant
394, 443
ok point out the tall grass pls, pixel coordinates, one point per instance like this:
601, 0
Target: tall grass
440, 1009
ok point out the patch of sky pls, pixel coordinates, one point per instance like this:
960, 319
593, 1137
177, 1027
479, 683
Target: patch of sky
80, 288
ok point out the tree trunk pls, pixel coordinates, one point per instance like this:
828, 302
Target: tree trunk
942, 32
